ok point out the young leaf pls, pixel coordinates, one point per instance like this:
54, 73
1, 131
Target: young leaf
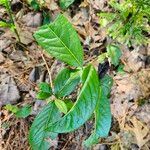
114, 53
42, 95
65, 82
68, 103
4, 24
35, 5
45, 87
11, 108
83, 107
3, 2
60, 40
61, 106
45, 91
102, 114
65, 3
38, 134
23, 112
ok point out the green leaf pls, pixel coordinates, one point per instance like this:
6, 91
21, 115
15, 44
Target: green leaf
45, 91
38, 134
4, 24
3, 2
120, 69
114, 53
45, 87
60, 40
23, 112
11, 108
46, 17
66, 81
68, 103
102, 121
102, 57
102, 114
42, 95
35, 5
83, 107
106, 83
61, 106
65, 3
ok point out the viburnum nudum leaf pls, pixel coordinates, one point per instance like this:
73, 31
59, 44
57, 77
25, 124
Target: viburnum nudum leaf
66, 81
65, 3
38, 134
83, 107
42, 96
106, 83
45, 91
61, 106
45, 87
60, 40
114, 53
102, 114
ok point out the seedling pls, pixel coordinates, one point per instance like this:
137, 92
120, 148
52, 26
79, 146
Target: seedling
22, 112
113, 54
128, 22
61, 115
11, 24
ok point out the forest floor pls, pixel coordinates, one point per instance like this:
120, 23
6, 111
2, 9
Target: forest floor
22, 68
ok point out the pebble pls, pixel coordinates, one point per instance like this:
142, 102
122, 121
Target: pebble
32, 19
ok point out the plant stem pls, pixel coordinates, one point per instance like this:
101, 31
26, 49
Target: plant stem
12, 18
50, 77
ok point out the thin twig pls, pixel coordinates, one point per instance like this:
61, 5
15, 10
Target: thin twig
49, 72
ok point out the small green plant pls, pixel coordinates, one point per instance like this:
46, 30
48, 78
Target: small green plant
22, 112
11, 24
128, 22
61, 115
113, 54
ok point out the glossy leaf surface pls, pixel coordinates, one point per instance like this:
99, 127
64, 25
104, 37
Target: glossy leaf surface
45, 91
83, 107
65, 82
38, 134
60, 40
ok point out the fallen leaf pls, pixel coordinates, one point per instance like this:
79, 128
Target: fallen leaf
140, 131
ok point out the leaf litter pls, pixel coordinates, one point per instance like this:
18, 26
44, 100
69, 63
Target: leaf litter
129, 96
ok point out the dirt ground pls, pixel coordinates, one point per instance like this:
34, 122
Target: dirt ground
22, 68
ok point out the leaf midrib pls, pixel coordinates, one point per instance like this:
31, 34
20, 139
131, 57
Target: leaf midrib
45, 126
68, 81
84, 85
65, 45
